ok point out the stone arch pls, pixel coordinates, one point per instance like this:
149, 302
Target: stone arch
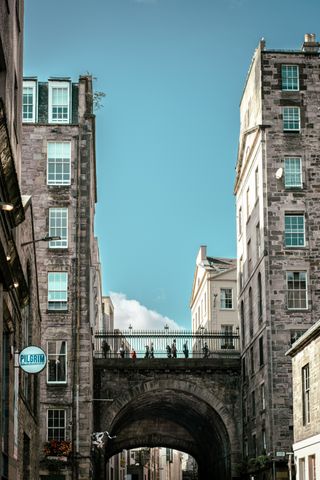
178, 414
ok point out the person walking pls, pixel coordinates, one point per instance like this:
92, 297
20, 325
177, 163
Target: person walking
174, 349
186, 349
151, 354
147, 352
168, 351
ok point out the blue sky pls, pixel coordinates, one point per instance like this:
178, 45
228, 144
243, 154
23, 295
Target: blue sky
173, 73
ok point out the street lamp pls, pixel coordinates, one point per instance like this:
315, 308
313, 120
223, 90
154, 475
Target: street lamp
44, 239
6, 207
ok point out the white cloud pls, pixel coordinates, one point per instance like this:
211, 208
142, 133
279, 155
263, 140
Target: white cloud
128, 311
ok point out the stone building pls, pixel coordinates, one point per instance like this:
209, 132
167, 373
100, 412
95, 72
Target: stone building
277, 198
213, 301
305, 354
59, 172
19, 311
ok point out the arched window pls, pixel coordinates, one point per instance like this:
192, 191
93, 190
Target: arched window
242, 323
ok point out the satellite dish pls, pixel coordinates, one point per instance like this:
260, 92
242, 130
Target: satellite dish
279, 173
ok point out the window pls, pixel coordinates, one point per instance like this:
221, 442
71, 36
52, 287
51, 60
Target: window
251, 360
292, 172
240, 221
58, 227
58, 163
256, 178
249, 257
263, 441
244, 370
312, 467
297, 290
261, 359
59, 102
294, 235
305, 394
241, 272
259, 297
248, 202
226, 298
254, 445
57, 360
262, 397
227, 331
57, 290
250, 312
290, 77
302, 469
29, 101
291, 118
56, 424
253, 403
258, 240
242, 323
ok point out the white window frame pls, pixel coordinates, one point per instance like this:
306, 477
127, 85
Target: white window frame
291, 232
297, 290
263, 396
287, 88
30, 84
63, 299
57, 354
52, 86
288, 174
226, 298
305, 371
289, 116
65, 181
57, 428
56, 216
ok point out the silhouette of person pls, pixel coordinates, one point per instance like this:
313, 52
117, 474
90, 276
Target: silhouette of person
185, 349
151, 354
147, 352
174, 349
168, 351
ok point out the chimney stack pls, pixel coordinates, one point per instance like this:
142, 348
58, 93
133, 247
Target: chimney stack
310, 45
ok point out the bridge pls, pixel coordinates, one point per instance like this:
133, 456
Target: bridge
191, 404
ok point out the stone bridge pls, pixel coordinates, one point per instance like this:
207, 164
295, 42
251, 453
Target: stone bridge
192, 405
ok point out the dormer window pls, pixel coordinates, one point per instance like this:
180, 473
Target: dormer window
59, 102
29, 101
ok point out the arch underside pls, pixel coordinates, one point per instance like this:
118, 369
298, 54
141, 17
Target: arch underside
178, 420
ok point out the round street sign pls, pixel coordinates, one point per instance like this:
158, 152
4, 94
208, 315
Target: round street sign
32, 359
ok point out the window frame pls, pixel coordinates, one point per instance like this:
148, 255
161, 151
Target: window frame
285, 78
57, 428
53, 84
290, 118
56, 231
30, 84
57, 354
306, 413
297, 289
65, 181
287, 173
290, 233
226, 299
52, 291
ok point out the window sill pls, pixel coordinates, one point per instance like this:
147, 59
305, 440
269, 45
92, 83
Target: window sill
57, 312
57, 384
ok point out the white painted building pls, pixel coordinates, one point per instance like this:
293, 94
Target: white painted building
213, 301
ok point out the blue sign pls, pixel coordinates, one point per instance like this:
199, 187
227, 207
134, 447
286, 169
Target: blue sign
32, 359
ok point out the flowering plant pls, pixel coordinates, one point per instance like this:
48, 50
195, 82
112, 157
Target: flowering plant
57, 448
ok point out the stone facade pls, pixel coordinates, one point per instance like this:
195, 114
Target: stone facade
63, 187
271, 269
19, 306
305, 354
190, 405
213, 301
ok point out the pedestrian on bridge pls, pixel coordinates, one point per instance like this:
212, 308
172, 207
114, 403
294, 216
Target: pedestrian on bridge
168, 351
174, 349
147, 352
105, 348
151, 354
186, 349
133, 354
122, 350
206, 351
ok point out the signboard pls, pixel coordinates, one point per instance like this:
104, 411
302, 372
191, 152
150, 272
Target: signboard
32, 359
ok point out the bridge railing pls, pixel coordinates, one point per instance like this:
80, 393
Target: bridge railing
160, 344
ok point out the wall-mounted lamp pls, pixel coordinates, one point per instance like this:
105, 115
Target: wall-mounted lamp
44, 239
6, 207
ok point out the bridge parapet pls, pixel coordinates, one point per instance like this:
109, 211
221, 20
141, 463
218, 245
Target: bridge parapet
166, 343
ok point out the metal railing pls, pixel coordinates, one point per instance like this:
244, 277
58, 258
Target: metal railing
162, 344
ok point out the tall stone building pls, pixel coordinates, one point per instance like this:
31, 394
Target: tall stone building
277, 197
59, 171
19, 311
